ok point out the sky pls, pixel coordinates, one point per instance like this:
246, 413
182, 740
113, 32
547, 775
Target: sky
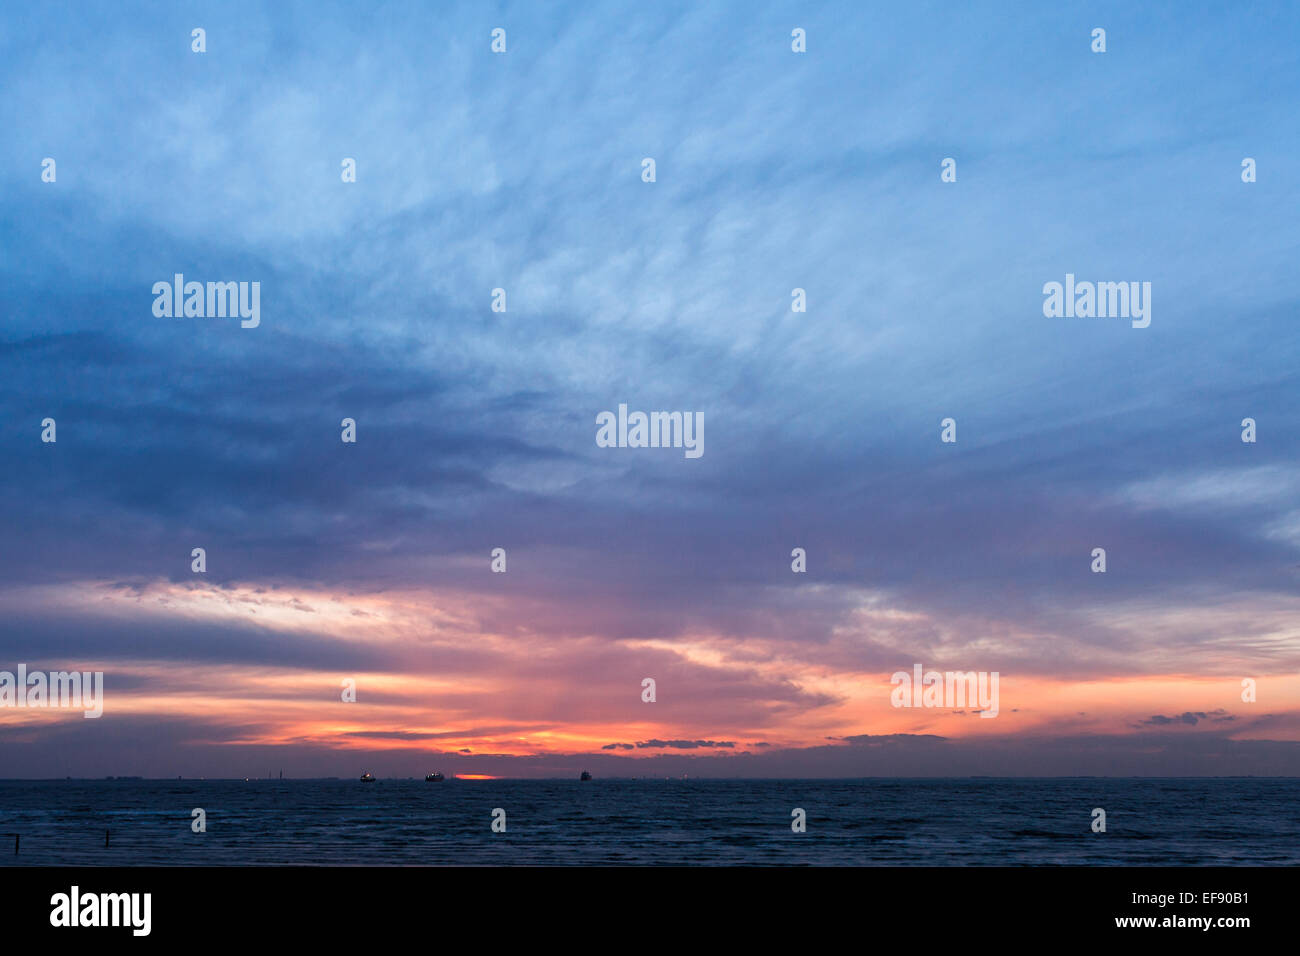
370, 562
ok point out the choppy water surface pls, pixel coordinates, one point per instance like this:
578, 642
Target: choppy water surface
722, 822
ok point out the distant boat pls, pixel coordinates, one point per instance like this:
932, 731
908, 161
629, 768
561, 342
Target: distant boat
367, 777
435, 777
585, 776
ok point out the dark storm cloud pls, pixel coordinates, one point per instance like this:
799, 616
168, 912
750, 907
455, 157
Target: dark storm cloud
1188, 717
88, 637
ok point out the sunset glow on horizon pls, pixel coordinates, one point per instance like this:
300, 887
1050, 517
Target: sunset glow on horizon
444, 683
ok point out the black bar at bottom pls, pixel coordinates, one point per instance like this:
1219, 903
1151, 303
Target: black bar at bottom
595, 906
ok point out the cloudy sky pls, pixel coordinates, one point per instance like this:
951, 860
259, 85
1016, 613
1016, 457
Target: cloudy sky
476, 429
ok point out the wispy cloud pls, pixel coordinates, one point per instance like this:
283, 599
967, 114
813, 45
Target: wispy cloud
475, 428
